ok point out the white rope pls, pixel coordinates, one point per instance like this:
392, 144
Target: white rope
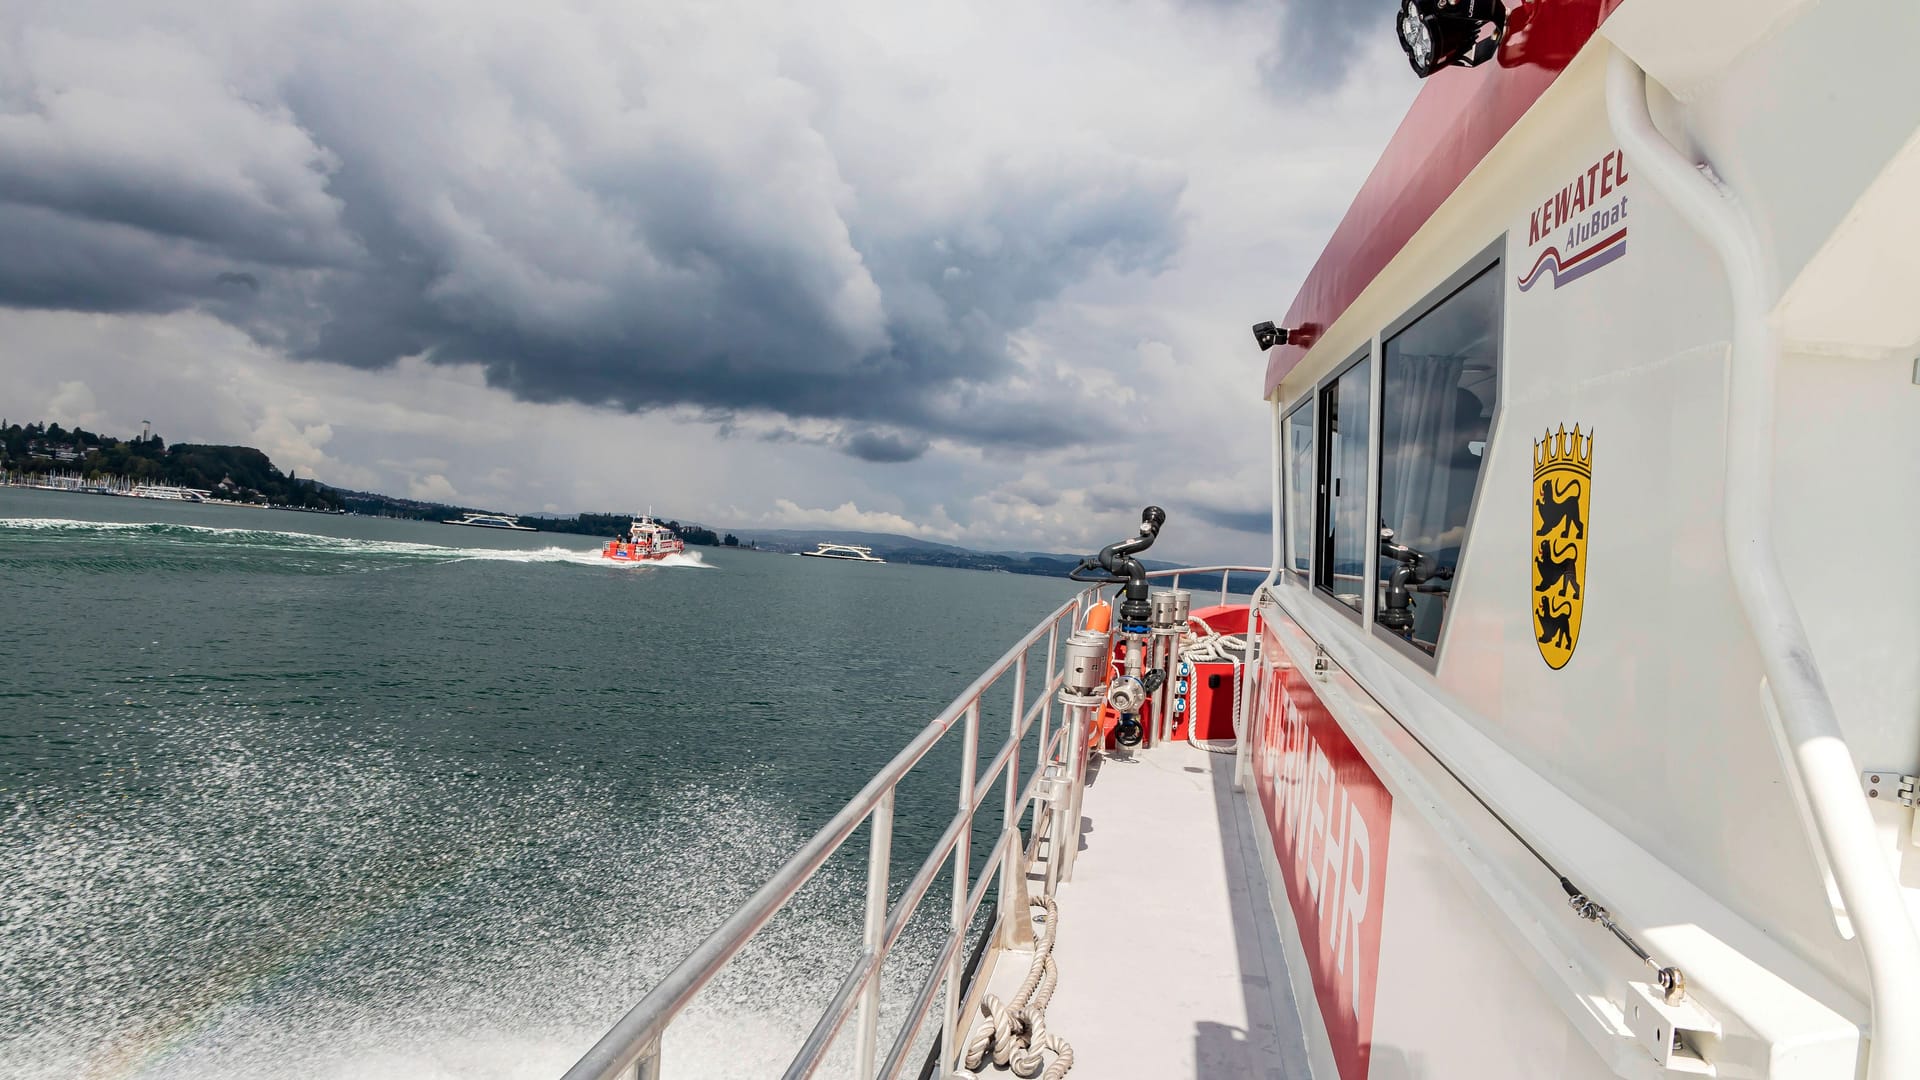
1212, 647
1015, 1034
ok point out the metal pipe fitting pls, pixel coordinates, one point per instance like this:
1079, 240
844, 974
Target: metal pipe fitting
1088, 656
1161, 601
1127, 694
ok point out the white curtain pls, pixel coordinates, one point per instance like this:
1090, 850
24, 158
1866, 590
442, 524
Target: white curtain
1429, 469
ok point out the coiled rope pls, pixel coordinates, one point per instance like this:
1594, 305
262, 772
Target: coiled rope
1211, 646
1015, 1033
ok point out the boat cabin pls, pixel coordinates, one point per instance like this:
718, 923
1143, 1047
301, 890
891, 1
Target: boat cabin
1575, 420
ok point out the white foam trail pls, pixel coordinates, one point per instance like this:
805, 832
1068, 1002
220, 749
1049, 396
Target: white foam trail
315, 542
274, 914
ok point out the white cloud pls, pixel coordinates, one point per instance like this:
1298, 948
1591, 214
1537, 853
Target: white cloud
787, 514
72, 403
838, 138
432, 488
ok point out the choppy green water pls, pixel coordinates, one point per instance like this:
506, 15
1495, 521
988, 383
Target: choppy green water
283, 794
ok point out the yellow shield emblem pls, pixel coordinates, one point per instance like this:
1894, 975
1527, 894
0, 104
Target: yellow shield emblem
1562, 493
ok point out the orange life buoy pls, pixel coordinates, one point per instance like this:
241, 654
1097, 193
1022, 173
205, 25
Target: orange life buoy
1100, 617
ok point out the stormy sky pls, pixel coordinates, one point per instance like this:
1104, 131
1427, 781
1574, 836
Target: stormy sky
980, 272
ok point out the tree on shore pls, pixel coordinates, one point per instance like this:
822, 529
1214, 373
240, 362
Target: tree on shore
241, 473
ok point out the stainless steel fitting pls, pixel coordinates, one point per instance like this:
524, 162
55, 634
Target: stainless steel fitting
1089, 653
1127, 694
1162, 619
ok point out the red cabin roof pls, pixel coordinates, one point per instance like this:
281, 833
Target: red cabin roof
1460, 115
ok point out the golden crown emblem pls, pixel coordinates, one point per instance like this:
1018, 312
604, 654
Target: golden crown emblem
1560, 450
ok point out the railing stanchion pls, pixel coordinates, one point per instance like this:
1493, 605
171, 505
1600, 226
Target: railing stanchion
1046, 708
879, 866
1225, 576
1243, 730
950, 1041
1016, 930
648, 1067
1076, 784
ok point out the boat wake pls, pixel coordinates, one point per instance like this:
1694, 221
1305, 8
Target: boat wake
147, 544
345, 912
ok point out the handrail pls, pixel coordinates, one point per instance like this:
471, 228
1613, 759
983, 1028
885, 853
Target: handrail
631, 1047
1226, 574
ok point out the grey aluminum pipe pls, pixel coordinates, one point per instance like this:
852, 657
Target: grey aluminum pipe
1818, 751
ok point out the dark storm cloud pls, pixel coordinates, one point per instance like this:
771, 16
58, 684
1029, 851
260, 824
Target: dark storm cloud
1031, 491
1314, 41
884, 446
1319, 39
631, 229
1112, 498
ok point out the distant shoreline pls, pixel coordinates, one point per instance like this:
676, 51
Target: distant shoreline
83, 488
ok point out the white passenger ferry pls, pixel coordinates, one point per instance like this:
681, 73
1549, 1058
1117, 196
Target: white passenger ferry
490, 521
1577, 739
848, 552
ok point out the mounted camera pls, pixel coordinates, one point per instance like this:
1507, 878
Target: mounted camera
1268, 335
1450, 33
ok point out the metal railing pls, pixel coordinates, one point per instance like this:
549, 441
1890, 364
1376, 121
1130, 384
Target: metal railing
631, 1049
1226, 575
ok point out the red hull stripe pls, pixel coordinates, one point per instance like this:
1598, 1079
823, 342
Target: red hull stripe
1460, 115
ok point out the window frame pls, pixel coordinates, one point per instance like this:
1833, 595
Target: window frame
1310, 398
1322, 503
1489, 260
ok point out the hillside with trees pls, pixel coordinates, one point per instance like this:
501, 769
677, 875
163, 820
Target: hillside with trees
234, 473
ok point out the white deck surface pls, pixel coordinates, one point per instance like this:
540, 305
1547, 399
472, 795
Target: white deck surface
1170, 962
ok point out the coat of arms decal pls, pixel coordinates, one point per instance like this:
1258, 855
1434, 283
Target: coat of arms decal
1563, 492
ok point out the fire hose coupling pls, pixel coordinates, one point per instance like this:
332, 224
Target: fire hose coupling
1127, 694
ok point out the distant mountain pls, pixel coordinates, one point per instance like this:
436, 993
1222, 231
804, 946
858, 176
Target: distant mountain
808, 539
908, 549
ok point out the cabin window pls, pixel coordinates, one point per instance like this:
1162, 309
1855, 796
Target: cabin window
1298, 445
1439, 387
1342, 551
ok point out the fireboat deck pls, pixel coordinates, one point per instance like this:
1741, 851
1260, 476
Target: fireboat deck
1170, 961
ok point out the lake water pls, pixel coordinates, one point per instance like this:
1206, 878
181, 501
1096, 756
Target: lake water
286, 794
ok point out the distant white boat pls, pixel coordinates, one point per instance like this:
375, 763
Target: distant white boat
849, 552
491, 521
